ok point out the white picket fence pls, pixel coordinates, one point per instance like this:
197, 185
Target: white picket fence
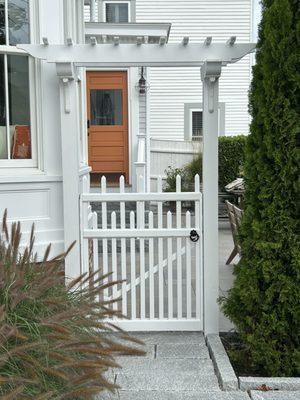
149, 249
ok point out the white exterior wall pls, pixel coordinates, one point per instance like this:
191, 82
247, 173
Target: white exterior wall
35, 195
172, 87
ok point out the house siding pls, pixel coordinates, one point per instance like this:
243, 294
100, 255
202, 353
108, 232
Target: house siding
171, 88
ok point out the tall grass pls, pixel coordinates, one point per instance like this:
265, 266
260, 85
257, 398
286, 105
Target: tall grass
54, 341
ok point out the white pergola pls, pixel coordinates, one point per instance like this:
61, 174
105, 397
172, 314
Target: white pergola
210, 57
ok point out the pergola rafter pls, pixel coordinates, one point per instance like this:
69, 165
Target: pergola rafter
210, 57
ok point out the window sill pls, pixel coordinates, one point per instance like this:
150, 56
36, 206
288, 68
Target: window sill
27, 176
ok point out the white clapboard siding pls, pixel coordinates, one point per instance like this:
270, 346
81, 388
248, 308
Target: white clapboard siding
87, 12
172, 87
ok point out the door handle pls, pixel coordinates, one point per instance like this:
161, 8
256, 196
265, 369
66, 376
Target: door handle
88, 127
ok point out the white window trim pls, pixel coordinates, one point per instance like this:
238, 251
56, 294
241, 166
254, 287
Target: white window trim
118, 2
191, 122
188, 122
26, 164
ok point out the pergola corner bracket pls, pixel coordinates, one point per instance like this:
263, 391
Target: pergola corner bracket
65, 72
211, 72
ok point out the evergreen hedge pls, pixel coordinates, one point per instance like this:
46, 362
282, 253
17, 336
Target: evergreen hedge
264, 302
231, 158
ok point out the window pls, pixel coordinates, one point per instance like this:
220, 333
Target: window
193, 121
196, 124
15, 126
117, 11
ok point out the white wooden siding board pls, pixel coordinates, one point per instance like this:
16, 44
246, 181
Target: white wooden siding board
87, 12
171, 88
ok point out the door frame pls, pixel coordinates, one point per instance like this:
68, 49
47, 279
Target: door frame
133, 112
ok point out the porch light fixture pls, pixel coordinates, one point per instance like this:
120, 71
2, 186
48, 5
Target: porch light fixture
142, 86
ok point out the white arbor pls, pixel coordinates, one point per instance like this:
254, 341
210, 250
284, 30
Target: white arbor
210, 58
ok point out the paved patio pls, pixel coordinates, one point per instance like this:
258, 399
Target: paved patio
177, 367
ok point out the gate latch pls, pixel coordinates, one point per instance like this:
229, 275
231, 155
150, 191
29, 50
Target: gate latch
194, 236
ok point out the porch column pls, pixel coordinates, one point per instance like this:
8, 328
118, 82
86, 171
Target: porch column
210, 73
70, 165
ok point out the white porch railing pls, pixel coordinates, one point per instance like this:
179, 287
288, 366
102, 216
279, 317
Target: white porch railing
157, 255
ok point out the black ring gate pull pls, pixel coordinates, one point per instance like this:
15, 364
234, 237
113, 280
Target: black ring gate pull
194, 236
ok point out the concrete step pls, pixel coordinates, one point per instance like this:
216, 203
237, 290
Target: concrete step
181, 382
164, 395
135, 365
170, 337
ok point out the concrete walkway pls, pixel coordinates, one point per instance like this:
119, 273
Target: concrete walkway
177, 367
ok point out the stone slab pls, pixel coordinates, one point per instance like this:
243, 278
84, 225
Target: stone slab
162, 395
148, 349
184, 382
226, 375
182, 351
275, 395
252, 383
161, 365
170, 337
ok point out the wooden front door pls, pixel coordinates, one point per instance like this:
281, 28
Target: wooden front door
107, 103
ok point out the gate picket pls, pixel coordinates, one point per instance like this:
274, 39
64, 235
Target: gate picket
141, 225
114, 260
160, 252
123, 248
179, 246
188, 269
133, 268
170, 268
151, 270
104, 241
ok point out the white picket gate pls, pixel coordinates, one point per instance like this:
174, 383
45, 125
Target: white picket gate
157, 254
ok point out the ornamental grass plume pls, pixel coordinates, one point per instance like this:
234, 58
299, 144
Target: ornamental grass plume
54, 341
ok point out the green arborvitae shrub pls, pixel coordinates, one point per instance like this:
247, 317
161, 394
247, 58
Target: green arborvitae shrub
231, 158
54, 341
264, 303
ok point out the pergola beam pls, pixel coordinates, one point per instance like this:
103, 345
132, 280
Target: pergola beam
131, 55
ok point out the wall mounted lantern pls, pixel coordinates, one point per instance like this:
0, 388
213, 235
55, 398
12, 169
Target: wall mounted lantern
142, 85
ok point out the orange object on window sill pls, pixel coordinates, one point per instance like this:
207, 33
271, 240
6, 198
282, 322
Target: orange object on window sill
21, 148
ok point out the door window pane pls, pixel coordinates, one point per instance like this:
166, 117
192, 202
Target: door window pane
117, 12
18, 17
2, 23
19, 111
106, 107
197, 124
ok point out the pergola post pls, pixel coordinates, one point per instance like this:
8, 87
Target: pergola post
210, 73
70, 166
